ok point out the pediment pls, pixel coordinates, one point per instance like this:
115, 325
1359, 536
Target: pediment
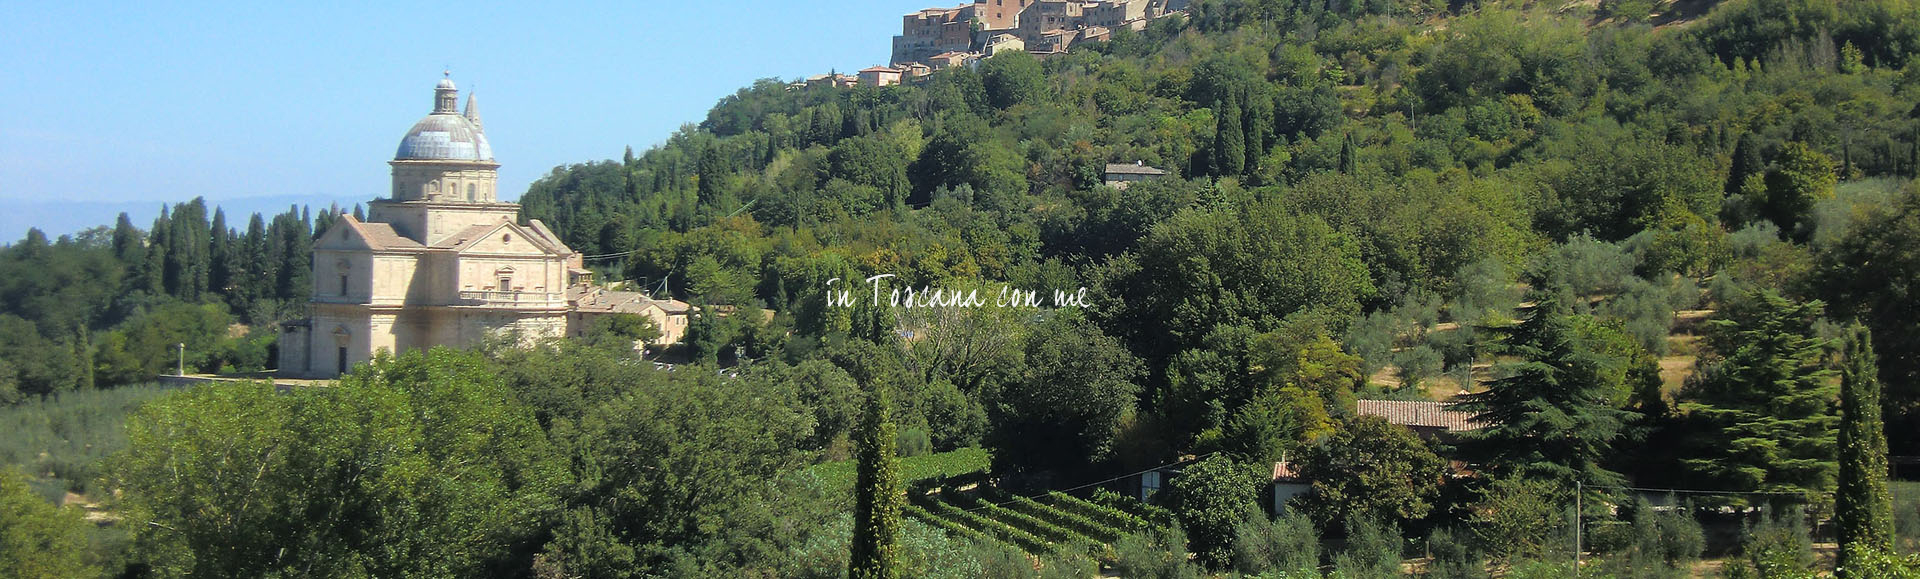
503, 238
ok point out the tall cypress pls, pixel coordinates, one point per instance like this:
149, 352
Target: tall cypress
1747, 162
157, 245
877, 500
220, 255
1349, 156
1862, 509
1257, 117
1229, 138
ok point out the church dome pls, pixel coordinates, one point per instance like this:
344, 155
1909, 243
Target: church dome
446, 135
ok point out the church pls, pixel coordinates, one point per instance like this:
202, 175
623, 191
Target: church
441, 261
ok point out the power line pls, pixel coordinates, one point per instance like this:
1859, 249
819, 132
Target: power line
1709, 492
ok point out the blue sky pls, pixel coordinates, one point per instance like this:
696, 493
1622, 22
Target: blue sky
146, 102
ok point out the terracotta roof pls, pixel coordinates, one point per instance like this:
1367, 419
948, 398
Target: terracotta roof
386, 236
1284, 471
379, 236
547, 238
1419, 414
469, 236
880, 69
608, 301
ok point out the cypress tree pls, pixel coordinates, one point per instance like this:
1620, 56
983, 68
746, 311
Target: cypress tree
157, 244
1258, 120
876, 510
712, 169
1746, 163
220, 254
1863, 511
1229, 139
128, 245
1349, 154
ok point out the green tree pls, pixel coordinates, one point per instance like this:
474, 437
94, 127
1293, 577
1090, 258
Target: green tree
1369, 470
1066, 406
1286, 544
1517, 517
1863, 275
877, 493
1801, 177
1012, 78
1229, 138
39, 540
1557, 413
1763, 406
421, 465
1211, 498
621, 332
1863, 511
1349, 155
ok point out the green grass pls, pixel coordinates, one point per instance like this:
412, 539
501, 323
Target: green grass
841, 474
60, 440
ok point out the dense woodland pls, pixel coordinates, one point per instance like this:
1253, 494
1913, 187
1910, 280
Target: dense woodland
109, 306
1664, 245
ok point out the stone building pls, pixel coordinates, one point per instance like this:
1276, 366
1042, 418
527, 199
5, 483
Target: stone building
440, 261
999, 15
933, 31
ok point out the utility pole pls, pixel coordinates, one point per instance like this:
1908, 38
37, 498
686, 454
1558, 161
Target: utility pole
182, 371
1579, 488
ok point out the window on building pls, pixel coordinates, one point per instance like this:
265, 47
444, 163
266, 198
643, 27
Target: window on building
471, 196
506, 282
342, 359
343, 284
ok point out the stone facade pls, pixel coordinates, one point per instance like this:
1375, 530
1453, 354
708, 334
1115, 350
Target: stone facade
440, 262
933, 31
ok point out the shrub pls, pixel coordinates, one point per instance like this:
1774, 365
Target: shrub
1373, 550
1158, 553
1285, 544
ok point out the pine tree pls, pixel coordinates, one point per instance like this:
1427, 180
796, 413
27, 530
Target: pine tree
1763, 412
877, 494
1557, 412
1863, 511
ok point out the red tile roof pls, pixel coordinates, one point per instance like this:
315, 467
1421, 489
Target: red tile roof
1419, 414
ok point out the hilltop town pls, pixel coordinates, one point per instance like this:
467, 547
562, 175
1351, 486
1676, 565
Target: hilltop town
939, 38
